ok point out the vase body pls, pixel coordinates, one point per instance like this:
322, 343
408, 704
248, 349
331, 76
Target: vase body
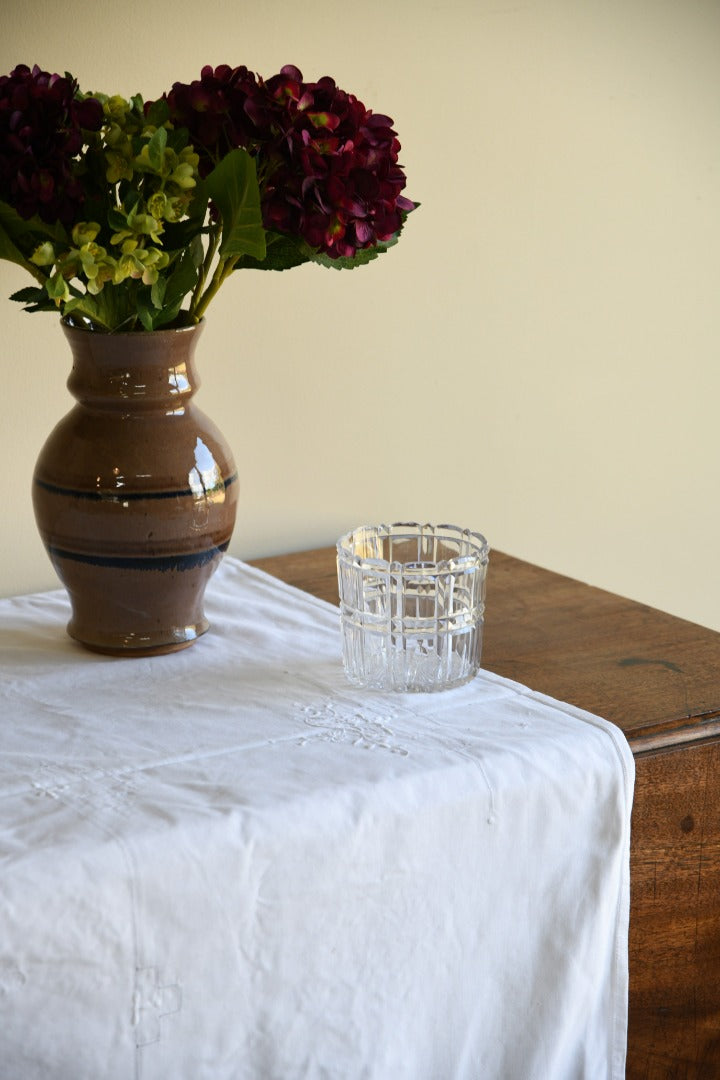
135, 493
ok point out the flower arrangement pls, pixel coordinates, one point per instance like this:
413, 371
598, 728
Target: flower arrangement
131, 214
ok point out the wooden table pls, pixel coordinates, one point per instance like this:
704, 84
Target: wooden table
658, 678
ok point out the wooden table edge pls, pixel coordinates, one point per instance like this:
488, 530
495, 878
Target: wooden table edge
314, 570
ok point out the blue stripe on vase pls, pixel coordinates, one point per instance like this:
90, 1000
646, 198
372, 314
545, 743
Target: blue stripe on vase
193, 561
120, 495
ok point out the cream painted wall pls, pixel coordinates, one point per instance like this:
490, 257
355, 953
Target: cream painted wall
537, 358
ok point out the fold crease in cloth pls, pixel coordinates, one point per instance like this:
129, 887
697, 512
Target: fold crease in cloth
228, 864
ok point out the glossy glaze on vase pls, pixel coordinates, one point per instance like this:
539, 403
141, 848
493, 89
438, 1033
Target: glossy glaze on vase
135, 493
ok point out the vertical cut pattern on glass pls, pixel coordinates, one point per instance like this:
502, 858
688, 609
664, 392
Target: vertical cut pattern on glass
412, 600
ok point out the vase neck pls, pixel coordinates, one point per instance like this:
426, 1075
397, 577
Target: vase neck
133, 371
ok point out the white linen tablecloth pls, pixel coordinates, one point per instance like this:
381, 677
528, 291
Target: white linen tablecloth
227, 864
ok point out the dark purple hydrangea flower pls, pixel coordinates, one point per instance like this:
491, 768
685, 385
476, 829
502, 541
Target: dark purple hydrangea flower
328, 167
336, 180
41, 134
222, 110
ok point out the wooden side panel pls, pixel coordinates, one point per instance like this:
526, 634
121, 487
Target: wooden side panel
674, 1029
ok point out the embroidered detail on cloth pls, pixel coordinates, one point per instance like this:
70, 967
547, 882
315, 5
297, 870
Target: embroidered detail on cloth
53, 780
362, 728
74, 784
152, 1002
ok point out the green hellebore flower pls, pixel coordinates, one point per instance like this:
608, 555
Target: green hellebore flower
138, 225
150, 257
115, 137
150, 160
43, 255
188, 156
157, 204
91, 256
69, 265
122, 238
84, 233
116, 107
176, 207
148, 226
182, 175
105, 273
57, 289
128, 266
118, 167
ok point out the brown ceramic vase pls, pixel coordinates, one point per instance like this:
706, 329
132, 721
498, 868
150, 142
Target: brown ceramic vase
135, 493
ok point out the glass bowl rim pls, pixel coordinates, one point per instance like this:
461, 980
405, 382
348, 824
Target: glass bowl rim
478, 556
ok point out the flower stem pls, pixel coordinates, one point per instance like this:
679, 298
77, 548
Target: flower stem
196, 304
36, 272
222, 271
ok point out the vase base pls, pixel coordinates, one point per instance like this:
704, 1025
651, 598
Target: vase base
131, 653
138, 645
123, 611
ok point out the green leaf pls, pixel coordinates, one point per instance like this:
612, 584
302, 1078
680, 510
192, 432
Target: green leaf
151, 316
233, 187
31, 295
116, 220
85, 307
33, 230
168, 314
19, 238
156, 149
130, 202
183, 278
178, 285
349, 262
9, 251
158, 113
145, 313
157, 292
197, 251
34, 299
283, 253
178, 139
